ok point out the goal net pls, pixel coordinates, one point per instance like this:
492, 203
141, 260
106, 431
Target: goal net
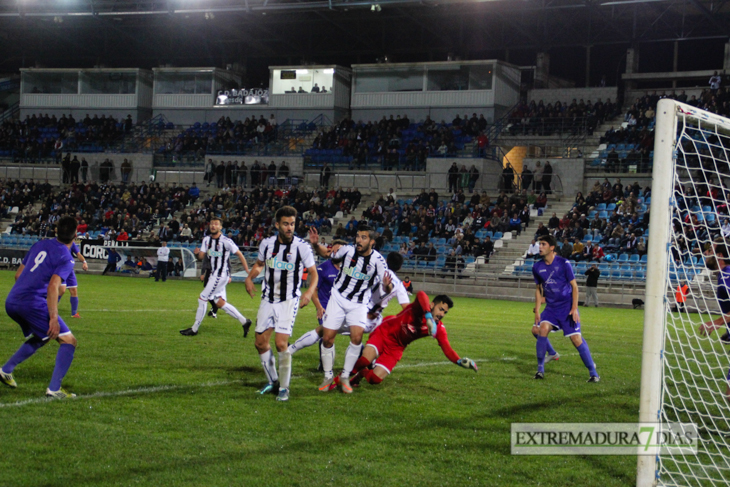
684, 373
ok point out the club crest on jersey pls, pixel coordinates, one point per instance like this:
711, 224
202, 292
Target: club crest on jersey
350, 271
279, 265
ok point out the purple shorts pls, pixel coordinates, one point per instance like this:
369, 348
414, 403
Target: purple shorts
71, 281
33, 319
561, 320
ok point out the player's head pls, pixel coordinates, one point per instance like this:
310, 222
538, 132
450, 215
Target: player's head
215, 226
163, 243
720, 259
286, 222
547, 245
365, 239
440, 306
336, 244
394, 261
66, 229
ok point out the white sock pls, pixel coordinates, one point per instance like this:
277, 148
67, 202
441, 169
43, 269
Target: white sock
328, 361
306, 340
351, 356
269, 363
200, 314
232, 311
284, 369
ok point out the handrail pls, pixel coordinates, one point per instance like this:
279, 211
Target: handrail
10, 112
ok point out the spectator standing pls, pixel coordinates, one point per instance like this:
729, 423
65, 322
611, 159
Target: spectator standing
74, 169
592, 275
220, 174
84, 169
453, 178
163, 256
324, 175
681, 296
526, 178
473, 177
537, 177
209, 171
715, 82
242, 174
126, 171
547, 178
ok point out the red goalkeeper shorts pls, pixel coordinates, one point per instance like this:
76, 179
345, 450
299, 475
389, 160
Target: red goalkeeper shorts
389, 351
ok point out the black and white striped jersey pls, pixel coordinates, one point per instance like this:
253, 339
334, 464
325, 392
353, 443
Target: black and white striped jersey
359, 274
219, 251
285, 264
379, 299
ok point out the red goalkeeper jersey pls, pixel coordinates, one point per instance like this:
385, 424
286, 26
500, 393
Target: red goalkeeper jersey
410, 324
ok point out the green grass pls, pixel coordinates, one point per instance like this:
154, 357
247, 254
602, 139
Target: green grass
196, 420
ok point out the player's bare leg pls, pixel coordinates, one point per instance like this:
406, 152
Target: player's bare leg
232, 311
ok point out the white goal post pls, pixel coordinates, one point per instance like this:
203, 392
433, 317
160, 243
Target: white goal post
683, 373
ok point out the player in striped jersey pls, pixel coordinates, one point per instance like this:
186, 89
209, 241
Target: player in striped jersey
362, 269
283, 259
381, 297
219, 249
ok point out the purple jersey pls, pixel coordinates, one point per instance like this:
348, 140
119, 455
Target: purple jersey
327, 274
74, 250
723, 290
44, 259
555, 279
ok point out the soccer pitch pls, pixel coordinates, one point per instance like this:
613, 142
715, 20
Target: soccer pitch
157, 408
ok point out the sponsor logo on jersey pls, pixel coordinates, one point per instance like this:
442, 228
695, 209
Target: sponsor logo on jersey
215, 253
279, 265
350, 271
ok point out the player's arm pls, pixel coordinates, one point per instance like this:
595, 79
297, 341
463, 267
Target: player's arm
443, 340
318, 248
538, 303
253, 274
201, 251
19, 271
317, 304
574, 309
424, 303
84, 265
240, 256
708, 327
52, 301
312, 291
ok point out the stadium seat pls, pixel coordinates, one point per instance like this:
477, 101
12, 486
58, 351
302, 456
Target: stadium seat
634, 258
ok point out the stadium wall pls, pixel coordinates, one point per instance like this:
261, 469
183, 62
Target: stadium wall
570, 171
79, 113
188, 116
418, 114
187, 176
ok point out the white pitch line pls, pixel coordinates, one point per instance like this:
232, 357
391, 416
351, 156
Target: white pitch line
152, 390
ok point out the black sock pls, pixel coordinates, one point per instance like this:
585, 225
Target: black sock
215, 306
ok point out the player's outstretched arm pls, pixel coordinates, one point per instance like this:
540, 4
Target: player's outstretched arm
708, 327
253, 274
468, 363
443, 340
240, 256
319, 249
313, 282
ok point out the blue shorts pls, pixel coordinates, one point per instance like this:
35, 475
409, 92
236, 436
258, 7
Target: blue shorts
33, 320
71, 281
561, 320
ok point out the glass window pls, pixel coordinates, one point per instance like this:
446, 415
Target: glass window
51, 83
108, 83
458, 78
184, 84
390, 81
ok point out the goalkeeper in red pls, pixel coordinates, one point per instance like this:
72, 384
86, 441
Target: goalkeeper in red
387, 342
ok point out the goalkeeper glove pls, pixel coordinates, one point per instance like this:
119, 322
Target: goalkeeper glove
431, 324
467, 363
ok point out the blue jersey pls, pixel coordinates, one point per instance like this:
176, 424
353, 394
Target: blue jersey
327, 273
555, 279
44, 259
74, 250
723, 290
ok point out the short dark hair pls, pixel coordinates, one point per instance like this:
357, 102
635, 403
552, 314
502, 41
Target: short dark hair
549, 239
66, 229
367, 228
284, 212
339, 241
442, 298
216, 218
394, 261
721, 250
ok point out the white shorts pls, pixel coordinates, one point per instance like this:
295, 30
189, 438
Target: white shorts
216, 288
279, 316
342, 313
373, 324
